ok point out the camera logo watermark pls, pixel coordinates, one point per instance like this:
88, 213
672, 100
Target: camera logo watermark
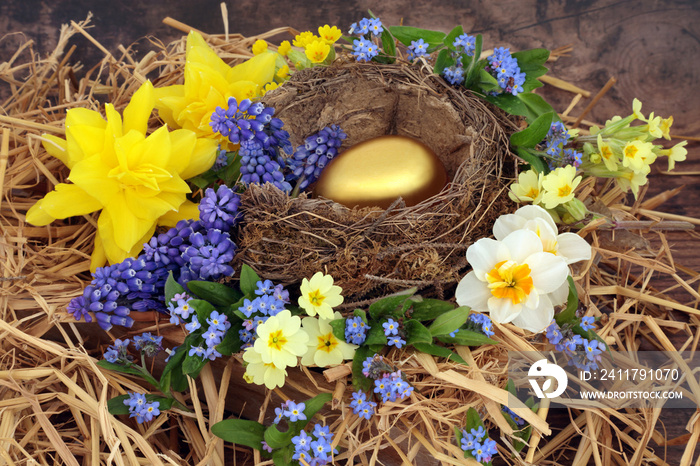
544, 368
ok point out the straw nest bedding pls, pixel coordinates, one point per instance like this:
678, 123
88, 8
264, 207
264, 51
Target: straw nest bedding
53, 397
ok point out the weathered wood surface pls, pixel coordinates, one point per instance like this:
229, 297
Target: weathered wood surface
651, 47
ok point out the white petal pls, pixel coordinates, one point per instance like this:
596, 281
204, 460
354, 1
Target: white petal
522, 244
536, 319
548, 271
503, 310
573, 248
560, 295
531, 212
507, 224
484, 254
473, 292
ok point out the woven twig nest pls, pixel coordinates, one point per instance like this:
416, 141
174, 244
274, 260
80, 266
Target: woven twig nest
370, 250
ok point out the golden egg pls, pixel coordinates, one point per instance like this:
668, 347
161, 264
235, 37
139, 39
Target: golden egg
377, 171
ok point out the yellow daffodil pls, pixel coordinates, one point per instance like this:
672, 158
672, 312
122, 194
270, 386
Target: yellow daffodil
281, 340
511, 279
559, 186
324, 348
209, 82
259, 47
317, 51
319, 295
329, 34
528, 188
284, 48
136, 179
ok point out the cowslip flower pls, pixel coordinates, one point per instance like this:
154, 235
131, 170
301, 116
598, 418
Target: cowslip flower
569, 246
281, 340
675, 154
329, 34
559, 186
510, 279
259, 47
209, 82
317, 51
324, 349
137, 180
319, 295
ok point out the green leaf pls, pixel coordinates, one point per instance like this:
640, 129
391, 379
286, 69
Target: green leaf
532, 158
473, 420
314, 405
359, 381
193, 365
387, 306
241, 432
439, 351
444, 60
232, 341
249, 280
172, 288
338, 326
528, 59
535, 106
475, 65
416, 332
388, 43
278, 439
202, 308
487, 83
407, 34
217, 294
376, 335
449, 321
124, 369
361, 314
429, 309
452, 35
534, 133
116, 405
283, 456
173, 365
568, 315
467, 338
510, 387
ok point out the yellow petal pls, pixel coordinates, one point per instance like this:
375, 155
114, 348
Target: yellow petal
83, 141
260, 69
56, 147
156, 149
137, 113
170, 100
84, 117
127, 228
67, 200
187, 211
114, 127
202, 158
182, 143
38, 216
91, 175
198, 51
99, 257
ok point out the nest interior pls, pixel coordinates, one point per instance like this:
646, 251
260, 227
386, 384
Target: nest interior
370, 251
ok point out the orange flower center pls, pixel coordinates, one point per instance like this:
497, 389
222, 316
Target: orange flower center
507, 279
276, 340
327, 342
564, 190
316, 298
631, 151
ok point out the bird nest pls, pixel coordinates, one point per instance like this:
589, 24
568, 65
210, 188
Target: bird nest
371, 251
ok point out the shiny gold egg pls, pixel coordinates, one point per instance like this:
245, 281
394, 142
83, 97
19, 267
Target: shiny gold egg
377, 171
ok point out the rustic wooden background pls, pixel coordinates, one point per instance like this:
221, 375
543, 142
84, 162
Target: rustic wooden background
651, 47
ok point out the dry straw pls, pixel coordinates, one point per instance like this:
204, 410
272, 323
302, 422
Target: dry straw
53, 397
